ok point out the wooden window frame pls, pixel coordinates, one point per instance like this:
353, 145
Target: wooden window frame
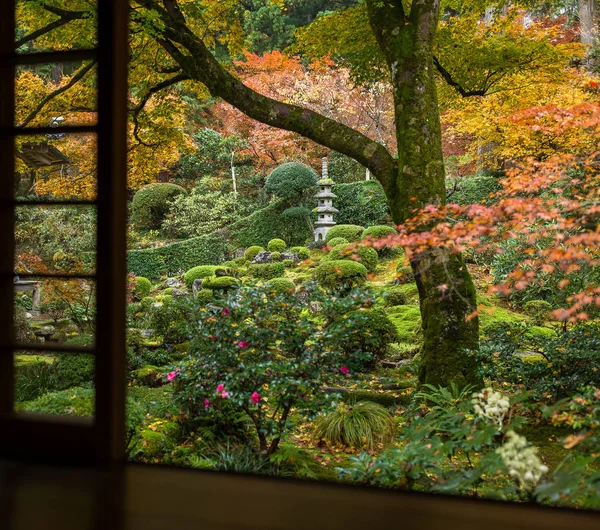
100, 440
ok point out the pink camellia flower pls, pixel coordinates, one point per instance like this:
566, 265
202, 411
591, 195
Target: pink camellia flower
224, 395
226, 311
243, 344
171, 376
220, 388
345, 370
255, 398
206, 403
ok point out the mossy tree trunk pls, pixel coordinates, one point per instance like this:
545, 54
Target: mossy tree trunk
414, 180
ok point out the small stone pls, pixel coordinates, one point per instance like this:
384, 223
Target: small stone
179, 292
28, 315
147, 333
197, 287
262, 257
173, 282
46, 331
290, 255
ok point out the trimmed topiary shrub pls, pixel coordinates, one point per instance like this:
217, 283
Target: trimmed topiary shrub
281, 285
338, 241
222, 283
303, 252
396, 296
288, 263
341, 274
275, 256
151, 204
378, 231
276, 245
142, 287
365, 255
202, 271
267, 271
367, 336
356, 425
73, 370
290, 180
350, 232
538, 310
252, 252
204, 296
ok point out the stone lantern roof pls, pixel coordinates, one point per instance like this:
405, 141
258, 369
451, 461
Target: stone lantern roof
325, 195
326, 209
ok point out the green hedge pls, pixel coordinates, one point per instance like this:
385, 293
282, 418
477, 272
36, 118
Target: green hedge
267, 271
361, 203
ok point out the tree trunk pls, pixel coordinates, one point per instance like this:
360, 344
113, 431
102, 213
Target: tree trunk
588, 32
446, 292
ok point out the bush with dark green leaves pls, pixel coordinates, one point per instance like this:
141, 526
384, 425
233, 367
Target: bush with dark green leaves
201, 272
204, 296
74, 370
349, 232
33, 378
338, 241
252, 252
361, 203
290, 180
302, 252
281, 285
538, 310
275, 256
365, 337
475, 189
396, 296
142, 287
220, 283
267, 271
151, 204
289, 263
365, 255
276, 245
361, 425
167, 318
377, 231
341, 275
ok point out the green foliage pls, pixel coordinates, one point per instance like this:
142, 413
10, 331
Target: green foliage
361, 203
281, 285
21, 324
303, 252
261, 353
365, 255
252, 252
407, 320
34, 377
396, 296
167, 318
365, 337
267, 27
290, 180
338, 242
142, 287
151, 204
356, 425
538, 310
476, 189
204, 296
404, 273
71, 402
220, 283
275, 256
267, 271
378, 231
341, 275
73, 370
349, 232
289, 263
276, 245
201, 272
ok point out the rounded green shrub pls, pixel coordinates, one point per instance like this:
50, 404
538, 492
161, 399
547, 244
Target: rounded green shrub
281, 285
147, 302
204, 296
288, 263
404, 273
73, 370
367, 335
350, 232
252, 252
341, 274
365, 255
275, 256
303, 252
142, 287
356, 425
201, 272
220, 283
396, 296
267, 271
151, 204
168, 291
378, 231
338, 241
276, 245
290, 180
538, 310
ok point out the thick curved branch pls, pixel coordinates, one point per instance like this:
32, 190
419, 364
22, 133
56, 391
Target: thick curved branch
200, 65
450, 80
79, 75
65, 18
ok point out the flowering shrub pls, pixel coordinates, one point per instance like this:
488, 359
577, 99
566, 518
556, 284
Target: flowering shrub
263, 353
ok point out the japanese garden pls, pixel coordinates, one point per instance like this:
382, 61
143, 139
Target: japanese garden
363, 239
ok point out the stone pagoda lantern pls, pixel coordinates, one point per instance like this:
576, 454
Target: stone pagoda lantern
325, 210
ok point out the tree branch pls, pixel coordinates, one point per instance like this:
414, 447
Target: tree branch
450, 80
80, 74
65, 18
200, 65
